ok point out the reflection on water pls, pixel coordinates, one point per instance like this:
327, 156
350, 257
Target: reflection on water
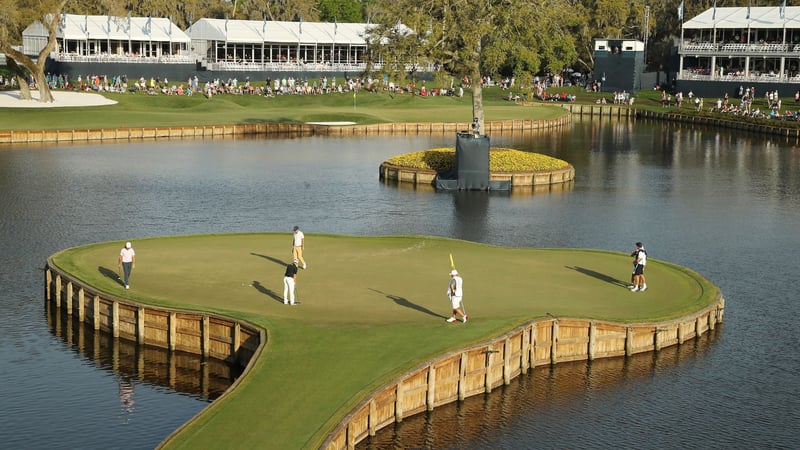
132, 363
469, 424
724, 203
127, 394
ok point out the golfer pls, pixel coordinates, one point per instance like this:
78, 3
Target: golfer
289, 282
639, 263
127, 259
298, 245
456, 291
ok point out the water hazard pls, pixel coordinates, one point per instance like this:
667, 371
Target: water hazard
724, 204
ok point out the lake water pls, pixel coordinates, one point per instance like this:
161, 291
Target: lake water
724, 204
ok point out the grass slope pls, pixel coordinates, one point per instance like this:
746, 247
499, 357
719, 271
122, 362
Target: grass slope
372, 308
141, 110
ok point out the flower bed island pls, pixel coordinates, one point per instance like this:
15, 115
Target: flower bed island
522, 169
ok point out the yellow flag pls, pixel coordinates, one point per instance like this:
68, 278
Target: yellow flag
452, 264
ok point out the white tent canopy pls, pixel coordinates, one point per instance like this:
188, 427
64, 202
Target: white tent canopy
243, 44
77, 27
746, 17
258, 31
86, 35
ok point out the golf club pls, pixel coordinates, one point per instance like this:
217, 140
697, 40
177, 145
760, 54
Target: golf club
453, 267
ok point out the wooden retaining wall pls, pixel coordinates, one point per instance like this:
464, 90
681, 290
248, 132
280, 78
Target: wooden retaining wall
211, 336
721, 122
607, 110
181, 371
265, 129
400, 174
484, 367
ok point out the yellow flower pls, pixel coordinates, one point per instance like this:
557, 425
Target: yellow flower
500, 160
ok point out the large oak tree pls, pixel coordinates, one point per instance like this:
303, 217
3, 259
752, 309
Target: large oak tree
49, 12
477, 38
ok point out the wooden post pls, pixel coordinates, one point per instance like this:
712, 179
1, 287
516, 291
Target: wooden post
525, 351
96, 311
140, 329
507, 362
69, 298
430, 398
697, 327
206, 337
628, 341
553, 341
237, 337
592, 340
351, 440
57, 291
81, 304
115, 319
398, 402
712, 320
172, 329
372, 418
48, 280
487, 370
534, 327
657, 339
462, 376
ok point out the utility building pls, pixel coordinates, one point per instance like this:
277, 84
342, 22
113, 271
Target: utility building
618, 64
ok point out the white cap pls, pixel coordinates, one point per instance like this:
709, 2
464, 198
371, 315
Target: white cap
454, 272
127, 245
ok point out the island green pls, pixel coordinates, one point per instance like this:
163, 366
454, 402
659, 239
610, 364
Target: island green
371, 309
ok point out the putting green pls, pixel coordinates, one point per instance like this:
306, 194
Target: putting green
371, 308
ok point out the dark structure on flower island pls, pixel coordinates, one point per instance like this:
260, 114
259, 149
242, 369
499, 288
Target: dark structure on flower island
471, 172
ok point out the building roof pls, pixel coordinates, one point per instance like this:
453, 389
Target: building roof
84, 27
251, 31
746, 17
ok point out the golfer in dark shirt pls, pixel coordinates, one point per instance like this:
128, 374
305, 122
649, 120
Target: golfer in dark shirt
289, 282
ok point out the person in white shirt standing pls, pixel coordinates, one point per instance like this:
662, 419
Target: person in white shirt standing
298, 245
456, 293
127, 259
639, 263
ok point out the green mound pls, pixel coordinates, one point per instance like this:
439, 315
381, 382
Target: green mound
372, 308
500, 160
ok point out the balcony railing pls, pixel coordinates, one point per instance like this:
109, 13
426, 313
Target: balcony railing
752, 77
163, 59
731, 49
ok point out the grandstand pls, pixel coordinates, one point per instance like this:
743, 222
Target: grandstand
210, 48
722, 49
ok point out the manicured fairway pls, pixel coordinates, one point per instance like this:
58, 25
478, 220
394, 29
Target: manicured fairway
372, 308
141, 110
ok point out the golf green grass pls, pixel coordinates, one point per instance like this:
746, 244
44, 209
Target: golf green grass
142, 110
371, 308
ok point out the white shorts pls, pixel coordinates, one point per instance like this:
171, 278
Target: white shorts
456, 301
